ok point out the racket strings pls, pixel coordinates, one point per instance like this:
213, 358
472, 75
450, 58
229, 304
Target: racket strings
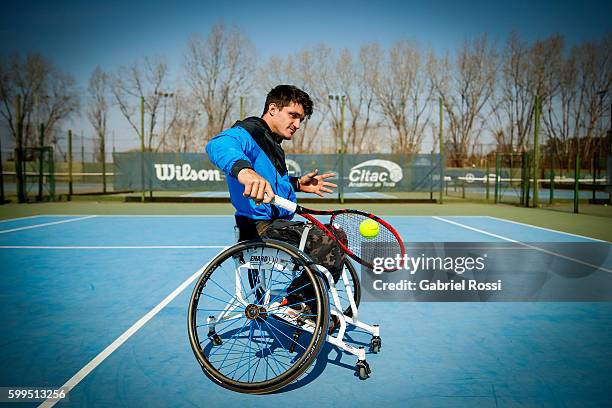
384, 245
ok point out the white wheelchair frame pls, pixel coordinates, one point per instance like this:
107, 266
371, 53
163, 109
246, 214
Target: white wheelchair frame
362, 368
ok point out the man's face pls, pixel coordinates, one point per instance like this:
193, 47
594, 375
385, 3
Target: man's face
286, 121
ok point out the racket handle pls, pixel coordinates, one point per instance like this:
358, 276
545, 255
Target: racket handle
284, 204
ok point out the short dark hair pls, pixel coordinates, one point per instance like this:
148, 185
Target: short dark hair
283, 95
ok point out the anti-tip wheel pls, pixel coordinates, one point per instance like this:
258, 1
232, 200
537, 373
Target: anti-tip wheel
375, 344
362, 369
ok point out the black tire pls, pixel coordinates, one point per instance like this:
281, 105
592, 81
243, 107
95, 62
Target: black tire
355, 287
267, 324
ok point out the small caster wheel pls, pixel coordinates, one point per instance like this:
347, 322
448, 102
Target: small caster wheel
375, 344
362, 369
214, 337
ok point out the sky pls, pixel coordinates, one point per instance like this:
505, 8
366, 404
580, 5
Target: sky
80, 35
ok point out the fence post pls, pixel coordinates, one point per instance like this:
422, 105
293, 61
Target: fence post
21, 198
103, 151
442, 160
40, 161
536, 153
488, 170
552, 178
527, 176
497, 172
1, 176
594, 175
142, 148
69, 165
576, 183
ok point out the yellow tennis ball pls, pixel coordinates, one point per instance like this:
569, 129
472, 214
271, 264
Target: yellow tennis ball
368, 228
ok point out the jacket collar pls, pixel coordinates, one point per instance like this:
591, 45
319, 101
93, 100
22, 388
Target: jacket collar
267, 140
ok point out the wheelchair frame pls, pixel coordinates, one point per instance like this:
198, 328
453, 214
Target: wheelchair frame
267, 306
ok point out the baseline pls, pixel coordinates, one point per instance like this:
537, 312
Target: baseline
569, 258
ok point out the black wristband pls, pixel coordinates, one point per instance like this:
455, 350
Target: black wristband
295, 182
240, 165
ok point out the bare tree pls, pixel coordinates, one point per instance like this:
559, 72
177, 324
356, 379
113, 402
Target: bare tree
314, 70
561, 112
572, 114
97, 110
310, 69
184, 132
219, 69
403, 92
47, 96
360, 98
466, 90
145, 79
513, 108
594, 67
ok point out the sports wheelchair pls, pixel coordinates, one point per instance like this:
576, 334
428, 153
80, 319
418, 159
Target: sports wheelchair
246, 336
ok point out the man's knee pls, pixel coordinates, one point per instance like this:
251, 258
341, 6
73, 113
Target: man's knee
326, 252
284, 230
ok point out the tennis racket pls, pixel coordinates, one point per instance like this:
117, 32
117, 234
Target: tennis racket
344, 229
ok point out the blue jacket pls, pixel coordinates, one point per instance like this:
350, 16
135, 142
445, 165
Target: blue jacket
258, 148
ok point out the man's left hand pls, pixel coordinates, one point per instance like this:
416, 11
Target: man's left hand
314, 183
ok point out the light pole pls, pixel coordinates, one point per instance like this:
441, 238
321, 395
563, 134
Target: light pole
164, 95
341, 99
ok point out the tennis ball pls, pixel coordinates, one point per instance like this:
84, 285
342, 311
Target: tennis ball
368, 228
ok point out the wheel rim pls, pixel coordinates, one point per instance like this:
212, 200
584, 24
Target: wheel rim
256, 332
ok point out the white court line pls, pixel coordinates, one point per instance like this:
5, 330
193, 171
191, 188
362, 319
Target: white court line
21, 218
97, 360
141, 215
569, 258
46, 224
114, 247
545, 229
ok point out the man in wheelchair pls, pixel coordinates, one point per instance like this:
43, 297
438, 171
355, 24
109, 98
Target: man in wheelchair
252, 158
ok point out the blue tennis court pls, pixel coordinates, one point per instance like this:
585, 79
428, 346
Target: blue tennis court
99, 304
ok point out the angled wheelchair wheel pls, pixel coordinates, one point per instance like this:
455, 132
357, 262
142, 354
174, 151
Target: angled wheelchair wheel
242, 330
354, 284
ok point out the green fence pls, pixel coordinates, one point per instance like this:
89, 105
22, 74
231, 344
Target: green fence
502, 178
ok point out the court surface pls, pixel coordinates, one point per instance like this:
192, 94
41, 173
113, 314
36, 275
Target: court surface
101, 302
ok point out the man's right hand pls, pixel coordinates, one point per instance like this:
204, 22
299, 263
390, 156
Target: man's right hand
255, 186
